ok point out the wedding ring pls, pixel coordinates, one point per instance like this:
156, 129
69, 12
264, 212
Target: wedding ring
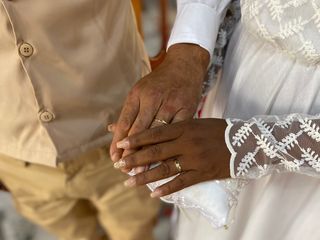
160, 121
178, 166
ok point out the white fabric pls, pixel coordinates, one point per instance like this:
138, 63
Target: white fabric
287, 25
212, 199
194, 22
261, 79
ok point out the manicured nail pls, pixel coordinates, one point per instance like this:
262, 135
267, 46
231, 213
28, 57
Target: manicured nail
141, 169
156, 193
109, 127
124, 144
119, 164
115, 157
131, 182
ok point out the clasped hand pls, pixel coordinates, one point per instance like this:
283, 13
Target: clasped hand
170, 94
198, 145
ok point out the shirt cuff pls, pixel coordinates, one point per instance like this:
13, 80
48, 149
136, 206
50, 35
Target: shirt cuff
196, 23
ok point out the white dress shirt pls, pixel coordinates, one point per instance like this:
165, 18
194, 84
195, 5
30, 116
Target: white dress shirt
198, 22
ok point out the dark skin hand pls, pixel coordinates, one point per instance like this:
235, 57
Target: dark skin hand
198, 145
170, 93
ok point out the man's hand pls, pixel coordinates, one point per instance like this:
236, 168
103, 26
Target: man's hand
196, 146
170, 93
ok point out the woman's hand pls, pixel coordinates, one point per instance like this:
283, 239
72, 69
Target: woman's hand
197, 146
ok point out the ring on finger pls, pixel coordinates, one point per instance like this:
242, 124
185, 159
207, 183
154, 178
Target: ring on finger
178, 165
160, 121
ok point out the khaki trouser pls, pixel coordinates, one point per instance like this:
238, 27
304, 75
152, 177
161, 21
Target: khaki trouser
72, 200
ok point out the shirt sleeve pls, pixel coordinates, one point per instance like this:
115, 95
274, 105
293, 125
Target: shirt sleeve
198, 22
267, 144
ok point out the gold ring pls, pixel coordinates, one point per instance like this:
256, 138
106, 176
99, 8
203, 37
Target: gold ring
178, 166
160, 121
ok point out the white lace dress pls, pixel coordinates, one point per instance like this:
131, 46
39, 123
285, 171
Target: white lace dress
272, 68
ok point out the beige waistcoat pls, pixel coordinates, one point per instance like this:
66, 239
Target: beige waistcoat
66, 67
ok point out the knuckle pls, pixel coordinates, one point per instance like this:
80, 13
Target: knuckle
156, 133
155, 150
125, 123
130, 161
170, 107
137, 127
136, 140
164, 169
134, 91
152, 93
167, 189
180, 183
180, 102
141, 179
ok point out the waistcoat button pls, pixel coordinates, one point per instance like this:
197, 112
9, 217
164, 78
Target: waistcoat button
26, 49
46, 116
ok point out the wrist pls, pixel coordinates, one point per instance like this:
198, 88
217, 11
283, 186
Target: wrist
224, 154
189, 57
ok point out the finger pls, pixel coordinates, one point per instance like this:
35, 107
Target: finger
151, 136
164, 170
141, 169
165, 114
126, 170
126, 119
183, 115
185, 179
150, 154
145, 117
124, 154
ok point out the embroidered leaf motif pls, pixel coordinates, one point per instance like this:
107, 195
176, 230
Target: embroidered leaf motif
245, 164
316, 17
263, 169
288, 142
276, 9
292, 27
271, 148
292, 166
266, 146
309, 51
263, 32
286, 122
263, 127
254, 9
242, 134
310, 128
295, 3
311, 158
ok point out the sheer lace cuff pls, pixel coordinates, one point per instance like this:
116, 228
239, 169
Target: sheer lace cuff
267, 144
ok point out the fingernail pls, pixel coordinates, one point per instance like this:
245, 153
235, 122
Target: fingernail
156, 193
109, 127
124, 144
131, 182
115, 157
141, 169
119, 164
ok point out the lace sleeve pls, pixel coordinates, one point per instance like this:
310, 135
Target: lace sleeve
269, 144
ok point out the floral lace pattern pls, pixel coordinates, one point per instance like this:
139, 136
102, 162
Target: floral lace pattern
292, 26
267, 144
224, 35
